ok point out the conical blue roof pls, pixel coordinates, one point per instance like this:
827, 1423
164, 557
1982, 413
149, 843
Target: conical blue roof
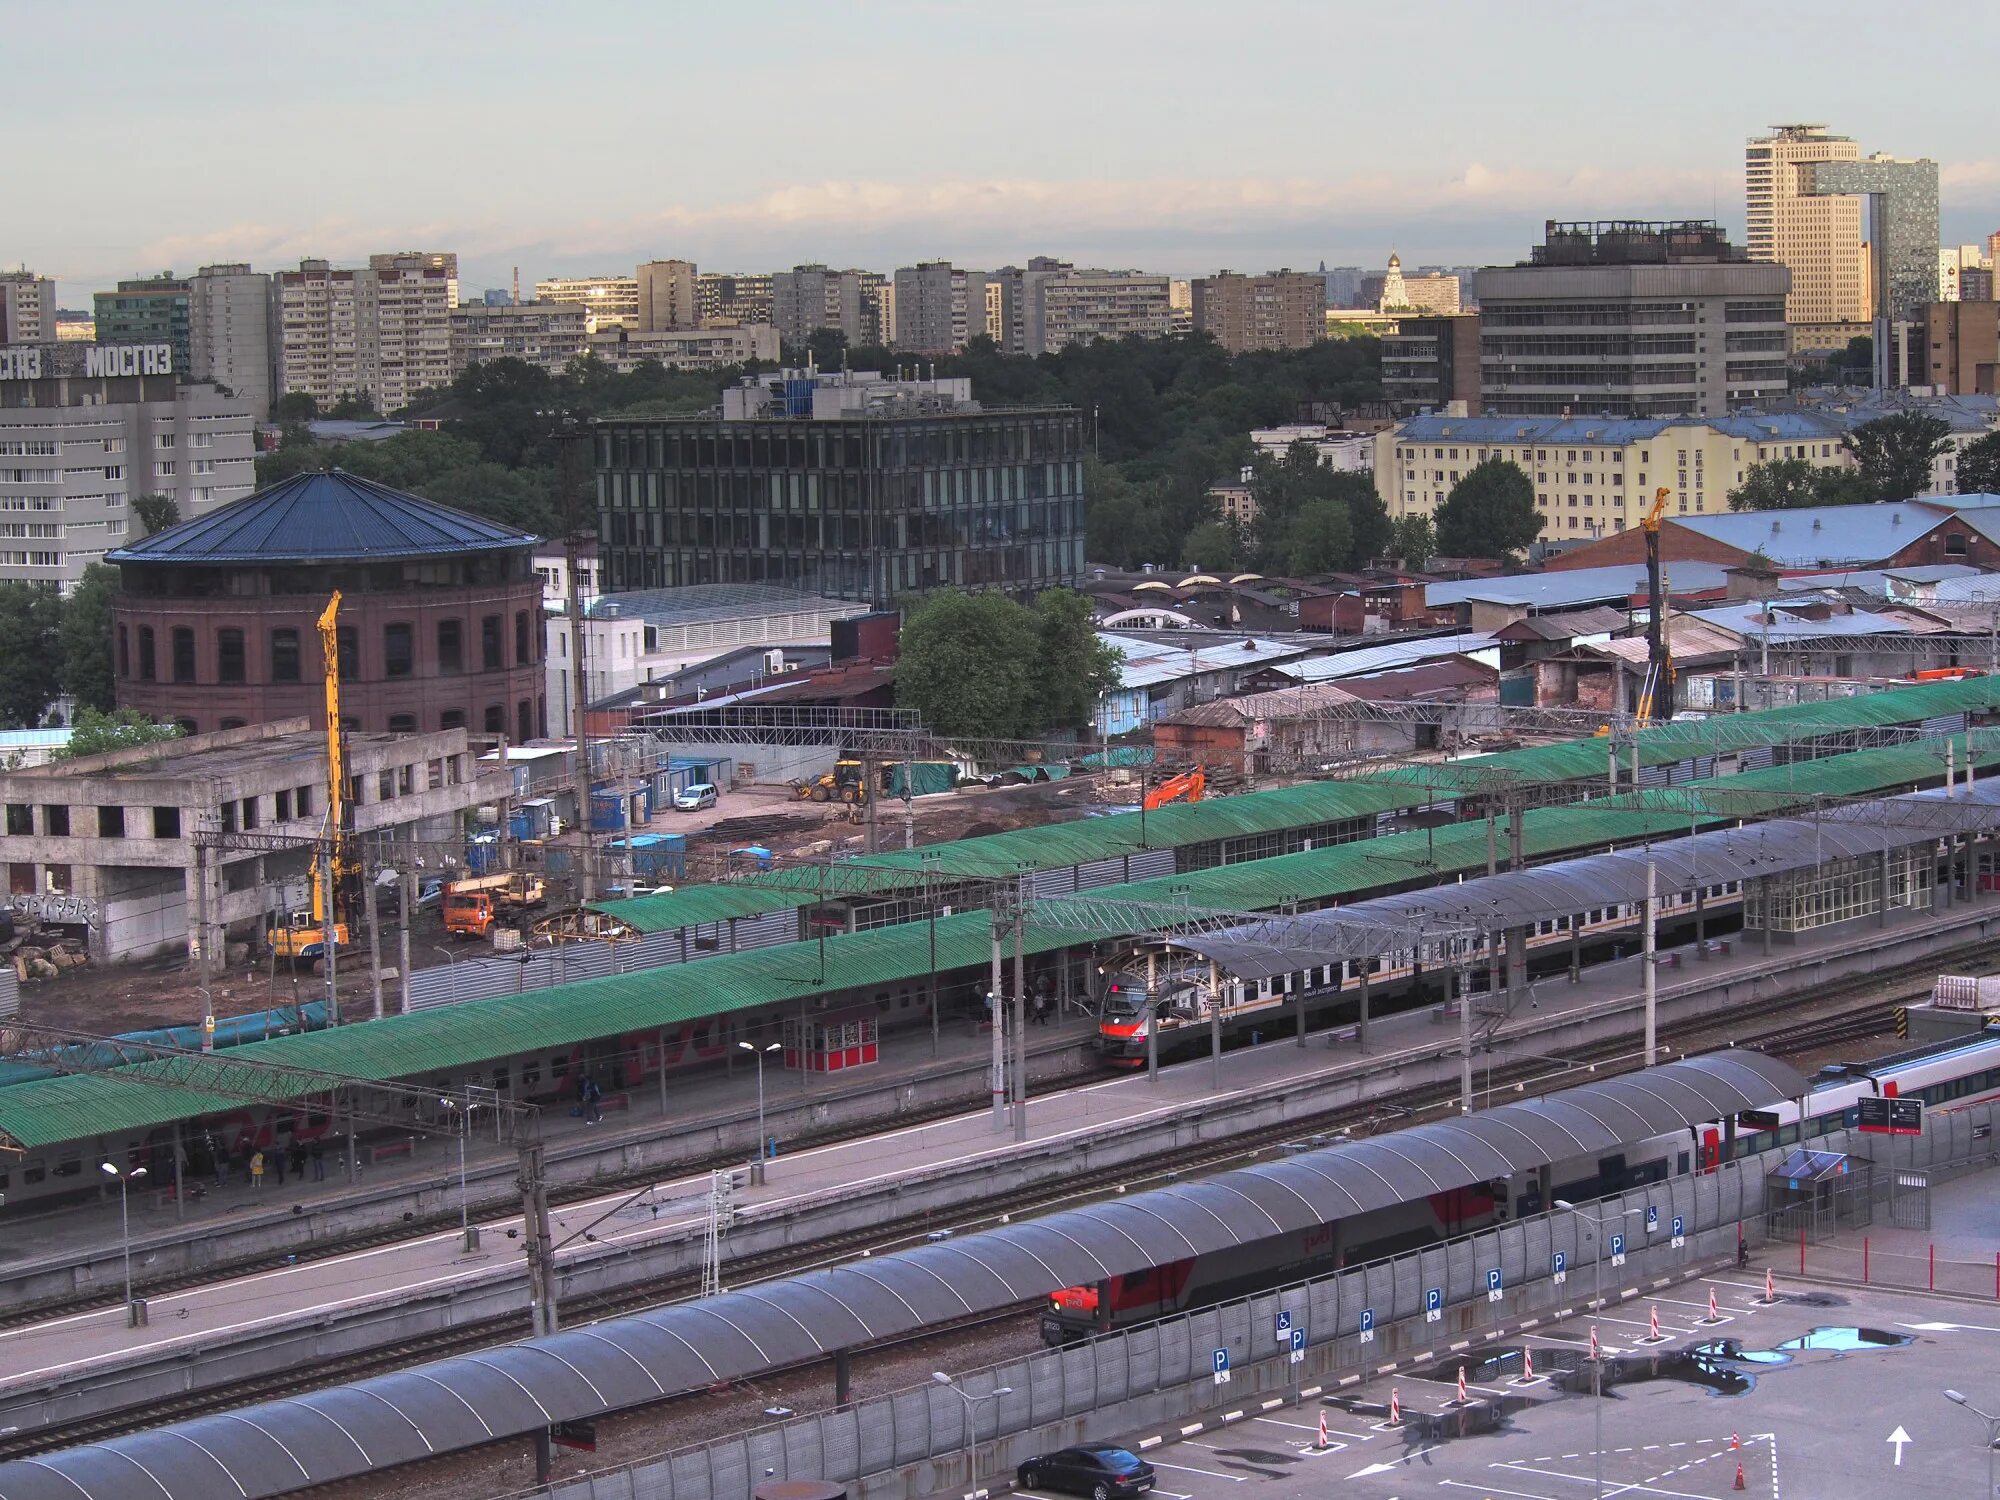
322, 517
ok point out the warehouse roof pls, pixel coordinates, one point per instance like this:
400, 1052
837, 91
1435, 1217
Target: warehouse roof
1569, 587
323, 517
1153, 663
1390, 655
473, 1399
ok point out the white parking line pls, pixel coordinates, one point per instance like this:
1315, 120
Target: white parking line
1313, 1427
1190, 1469
1490, 1489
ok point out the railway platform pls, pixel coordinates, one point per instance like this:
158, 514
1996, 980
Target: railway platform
1187, 1100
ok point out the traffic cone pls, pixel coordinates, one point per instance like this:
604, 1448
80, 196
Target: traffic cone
1735, 1440
1770, 1286
1713, 1315
1527, 1364
1462, 1397
1653, 1324
1322, 1427
1739, 1478
1395, 1408
1593, 1341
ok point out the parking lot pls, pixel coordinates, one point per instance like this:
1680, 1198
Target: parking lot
1807, 1396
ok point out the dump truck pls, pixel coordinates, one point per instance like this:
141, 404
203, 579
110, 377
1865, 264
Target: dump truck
473, 907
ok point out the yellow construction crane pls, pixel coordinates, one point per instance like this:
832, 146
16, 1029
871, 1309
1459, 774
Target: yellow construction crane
1656, 699
304, 932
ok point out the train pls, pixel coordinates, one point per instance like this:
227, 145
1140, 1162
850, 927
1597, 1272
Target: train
1179, 984
1947, 1075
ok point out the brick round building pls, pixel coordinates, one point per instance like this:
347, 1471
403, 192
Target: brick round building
440, 617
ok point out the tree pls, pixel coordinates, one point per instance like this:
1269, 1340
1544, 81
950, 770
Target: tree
93, 733
1793, 483
155, 513
1979, 466
1072, 665
1319, 540
295, 408
85, 635
1313, 519
1414, 540
30, 652
985, 667
1210, 547
354, 406
1489, 513
1895, 453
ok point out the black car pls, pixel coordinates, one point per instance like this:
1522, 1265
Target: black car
1099, 1472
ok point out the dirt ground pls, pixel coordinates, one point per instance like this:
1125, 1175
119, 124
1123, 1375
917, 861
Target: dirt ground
104, 1000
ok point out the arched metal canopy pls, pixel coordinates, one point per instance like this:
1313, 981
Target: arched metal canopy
584, 1372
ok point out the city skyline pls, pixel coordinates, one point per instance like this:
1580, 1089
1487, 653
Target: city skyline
1111, 149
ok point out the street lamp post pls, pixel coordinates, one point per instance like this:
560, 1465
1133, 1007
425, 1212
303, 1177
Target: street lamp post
134, 1315
1992, 1422
463, 1113
972, 1421
763, 1141
451, 969
1597, 1347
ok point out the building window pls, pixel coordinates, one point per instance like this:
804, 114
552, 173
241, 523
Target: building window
524, 649
402, 723
399, 652
285, 655
452, 718
124, 652
111, 822
166, 822
183, 645
489, 648
347, 646
229, 656
281, 806
55, 820
496, 719
451, 647
524, 720
146, 673
187, 727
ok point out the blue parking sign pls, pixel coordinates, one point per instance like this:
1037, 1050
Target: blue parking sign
1367, 1325
1617, 1249
1298, 1337
1559, 1268
1221, 1361
1652, 1219
1433, 1304
1680, 1231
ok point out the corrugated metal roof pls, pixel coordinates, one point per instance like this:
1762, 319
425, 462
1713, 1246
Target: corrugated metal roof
439, 1042
1151, 664
618, 1363
1275, 704
1780, 621
323, 517
1820, 536
1474, 643
1573, 586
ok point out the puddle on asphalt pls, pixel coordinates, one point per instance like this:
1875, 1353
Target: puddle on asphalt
1812, 1299
1847, 1340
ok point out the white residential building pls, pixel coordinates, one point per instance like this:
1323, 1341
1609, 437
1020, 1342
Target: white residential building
684, 348
607, 301
27, 308
547, 335
229, 331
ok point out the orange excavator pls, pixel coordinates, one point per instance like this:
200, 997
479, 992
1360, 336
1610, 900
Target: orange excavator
1186, 787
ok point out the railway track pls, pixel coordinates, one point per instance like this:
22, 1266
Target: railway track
1848, 1010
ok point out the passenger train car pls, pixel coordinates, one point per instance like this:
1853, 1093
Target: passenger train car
1179, 984
1946, 1075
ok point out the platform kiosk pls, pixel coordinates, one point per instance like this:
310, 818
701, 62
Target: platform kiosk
832, 1044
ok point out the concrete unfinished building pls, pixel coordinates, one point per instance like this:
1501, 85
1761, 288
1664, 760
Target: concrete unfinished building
121, 842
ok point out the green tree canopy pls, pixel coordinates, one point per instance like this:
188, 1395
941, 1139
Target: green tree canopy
985, 667
1414, 539
1895, 453
94, 732
1793, 483
155, 513
1313, 519
85, 636
1979, 466
31, 658
1489, 513
1211, 547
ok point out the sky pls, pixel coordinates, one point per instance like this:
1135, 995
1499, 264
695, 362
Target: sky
581, 138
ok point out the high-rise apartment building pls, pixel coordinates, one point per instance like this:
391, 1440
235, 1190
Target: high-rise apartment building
547, 335
1432, 364
723, 298
1632, 319
27, 308
930, 307
409, 325
667, 296
150, 310
607, 301
229, 332
1279, 310
1074, 307
1817, 238
319, 321
85, 429
382, 332
806, 299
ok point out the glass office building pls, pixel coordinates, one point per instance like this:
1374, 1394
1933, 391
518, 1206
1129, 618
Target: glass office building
861, 507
